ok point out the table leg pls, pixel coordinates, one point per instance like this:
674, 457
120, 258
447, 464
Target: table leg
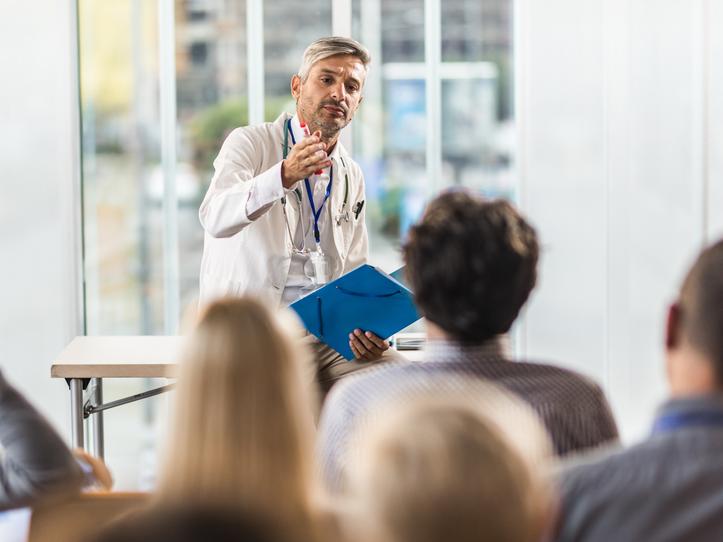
76, 412
97, 419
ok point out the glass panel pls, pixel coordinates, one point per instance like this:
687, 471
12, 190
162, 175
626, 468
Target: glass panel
477, 118
474, 31
389, 130
288, 30
477, 121
211, 86
122, 176
121, 179
402, 30
122, 196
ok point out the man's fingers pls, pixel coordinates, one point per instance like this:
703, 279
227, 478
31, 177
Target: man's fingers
310, 170
312, 153
311, 150
363, 340
306, 150
315, 160
356, 347
378, 341
306, 157
306, 142
360, 347
354, 350
368, 344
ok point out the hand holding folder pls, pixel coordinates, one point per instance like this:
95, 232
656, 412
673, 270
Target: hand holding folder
365, 298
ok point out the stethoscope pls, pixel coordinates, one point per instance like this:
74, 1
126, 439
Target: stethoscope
342, 216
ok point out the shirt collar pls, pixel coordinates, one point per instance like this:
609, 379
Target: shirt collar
693, 404
498, 347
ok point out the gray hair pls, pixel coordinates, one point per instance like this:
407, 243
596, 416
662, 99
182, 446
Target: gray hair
331, 46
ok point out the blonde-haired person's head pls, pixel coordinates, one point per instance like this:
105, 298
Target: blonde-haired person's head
438, 467
243, 424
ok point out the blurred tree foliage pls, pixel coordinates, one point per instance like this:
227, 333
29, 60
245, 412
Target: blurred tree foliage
209, 127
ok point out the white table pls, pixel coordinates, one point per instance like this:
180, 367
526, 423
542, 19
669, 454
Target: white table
86, 361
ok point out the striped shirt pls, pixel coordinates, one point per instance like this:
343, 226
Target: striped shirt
667, 488
573, 408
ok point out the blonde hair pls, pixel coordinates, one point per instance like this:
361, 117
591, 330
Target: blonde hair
243, 428
445, 466
331, 46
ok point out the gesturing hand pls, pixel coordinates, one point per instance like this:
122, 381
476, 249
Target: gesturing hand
306, 157
366, 345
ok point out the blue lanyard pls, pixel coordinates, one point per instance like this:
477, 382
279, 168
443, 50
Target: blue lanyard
688, 419
316, 214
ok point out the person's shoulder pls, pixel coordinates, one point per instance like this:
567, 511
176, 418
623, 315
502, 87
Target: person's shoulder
369, 381
566, 378
589, 485
370, 385
589, 468
550, 368
614, 468
350, 397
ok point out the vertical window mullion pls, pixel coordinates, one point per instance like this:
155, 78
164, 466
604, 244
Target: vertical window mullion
520, 55
433, 87
341, 18
341, 26
81, 313
255, 59
167, 79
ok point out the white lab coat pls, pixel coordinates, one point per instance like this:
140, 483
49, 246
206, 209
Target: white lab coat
242, 256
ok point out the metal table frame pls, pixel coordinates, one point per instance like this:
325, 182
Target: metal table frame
86, 400
89, 360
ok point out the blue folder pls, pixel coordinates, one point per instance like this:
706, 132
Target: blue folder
365, 298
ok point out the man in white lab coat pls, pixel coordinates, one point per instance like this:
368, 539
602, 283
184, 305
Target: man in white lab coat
285, 209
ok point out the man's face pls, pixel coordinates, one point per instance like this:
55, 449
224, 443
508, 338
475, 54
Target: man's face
331, 94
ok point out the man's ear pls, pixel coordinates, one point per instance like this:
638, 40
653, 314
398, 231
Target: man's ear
296, 87
672, 327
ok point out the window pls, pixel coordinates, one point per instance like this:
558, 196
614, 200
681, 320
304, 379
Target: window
138, 278
123, 173
474, 130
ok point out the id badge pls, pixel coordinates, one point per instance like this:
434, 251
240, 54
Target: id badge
319, 268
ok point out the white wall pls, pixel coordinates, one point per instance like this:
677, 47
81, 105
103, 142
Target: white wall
620, 159
714, 127
38, 286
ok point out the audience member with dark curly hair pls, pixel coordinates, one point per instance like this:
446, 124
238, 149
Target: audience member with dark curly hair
472, 264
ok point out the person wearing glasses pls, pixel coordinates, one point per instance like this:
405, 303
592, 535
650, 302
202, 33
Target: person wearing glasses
284, 213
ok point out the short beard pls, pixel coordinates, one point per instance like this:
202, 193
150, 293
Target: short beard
328, 130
